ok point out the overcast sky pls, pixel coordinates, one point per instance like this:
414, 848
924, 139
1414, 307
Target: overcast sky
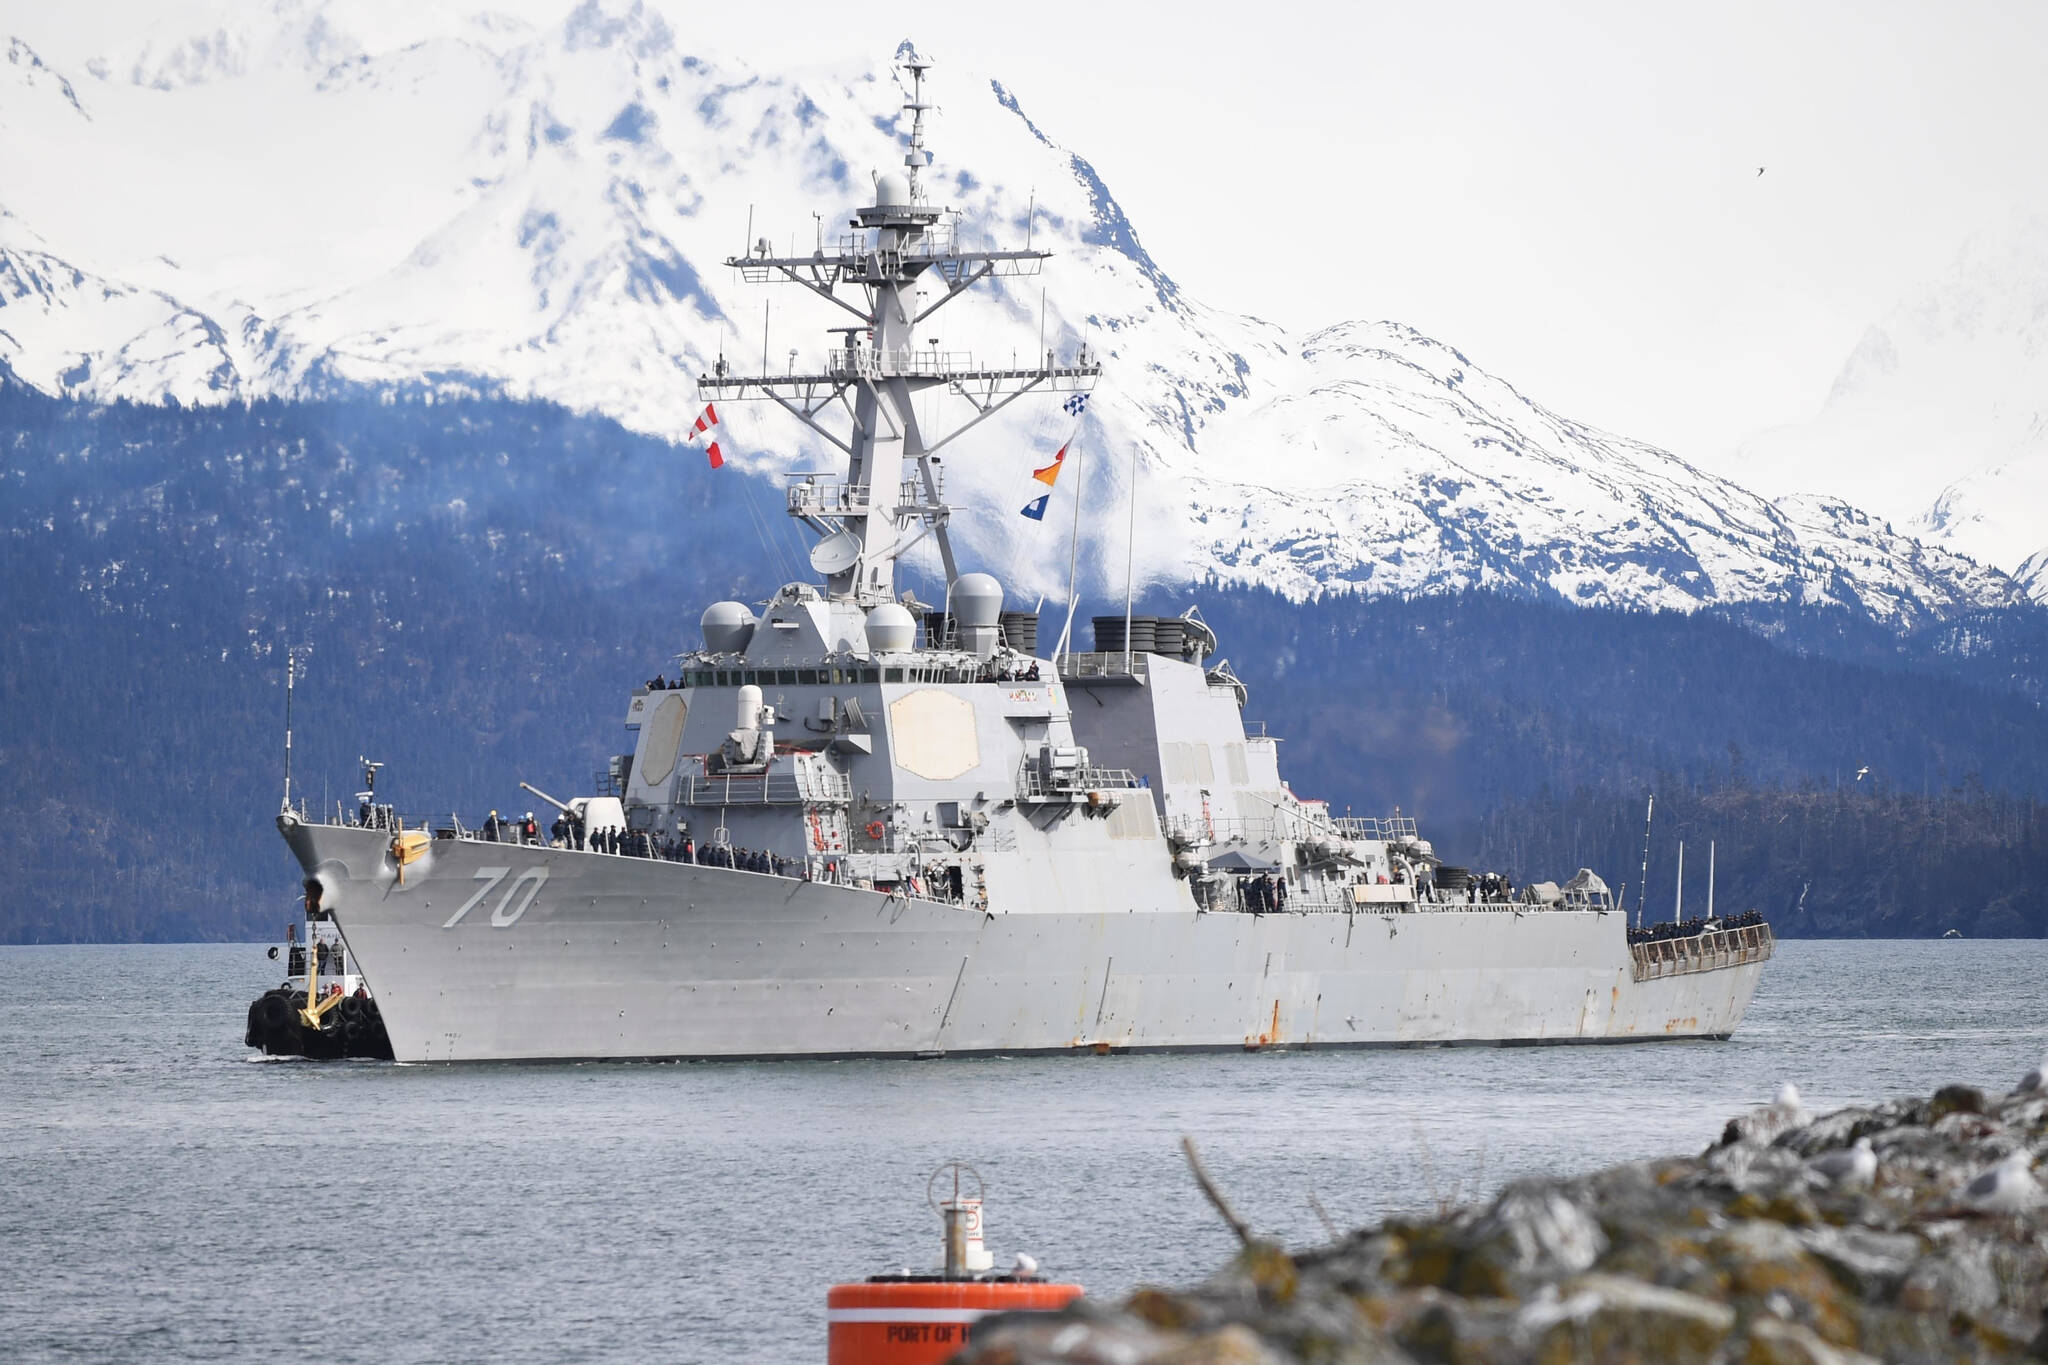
1568, 193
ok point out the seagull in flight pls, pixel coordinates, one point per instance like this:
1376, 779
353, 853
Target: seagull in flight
1759, 170
1862, 772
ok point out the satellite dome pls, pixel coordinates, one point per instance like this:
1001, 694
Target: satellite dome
977, 600
892, 190
728, 626
891, 628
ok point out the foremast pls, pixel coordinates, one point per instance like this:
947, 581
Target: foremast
902, 261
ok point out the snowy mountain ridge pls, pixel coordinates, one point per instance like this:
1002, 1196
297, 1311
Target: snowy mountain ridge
429, 201
1940, 413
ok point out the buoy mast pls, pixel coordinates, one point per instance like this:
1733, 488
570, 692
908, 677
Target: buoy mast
920, 1319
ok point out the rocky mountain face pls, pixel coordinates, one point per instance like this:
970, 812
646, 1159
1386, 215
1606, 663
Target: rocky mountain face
443, 202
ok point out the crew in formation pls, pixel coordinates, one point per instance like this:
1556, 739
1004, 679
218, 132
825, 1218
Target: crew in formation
993, 671
568, 832
1256, 892
1692, 928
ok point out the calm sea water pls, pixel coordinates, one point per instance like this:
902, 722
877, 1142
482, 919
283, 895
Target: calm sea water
165, 1197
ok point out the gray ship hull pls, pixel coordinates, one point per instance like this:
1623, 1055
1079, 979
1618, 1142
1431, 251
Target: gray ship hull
489, 951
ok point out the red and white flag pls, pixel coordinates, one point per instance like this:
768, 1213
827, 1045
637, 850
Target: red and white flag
706, 420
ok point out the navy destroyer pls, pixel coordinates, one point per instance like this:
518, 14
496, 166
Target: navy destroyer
856, 827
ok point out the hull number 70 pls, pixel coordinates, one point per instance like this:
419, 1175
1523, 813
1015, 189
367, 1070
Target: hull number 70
506, 914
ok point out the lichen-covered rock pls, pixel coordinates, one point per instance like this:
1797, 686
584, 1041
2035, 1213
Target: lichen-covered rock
1866, 1262
1740, 1255
1608, 1317
1770, 1342
1533, 1233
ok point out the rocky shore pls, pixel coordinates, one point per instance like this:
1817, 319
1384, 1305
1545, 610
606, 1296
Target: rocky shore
1787, 1241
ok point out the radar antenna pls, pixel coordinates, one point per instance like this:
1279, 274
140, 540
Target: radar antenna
900, 263
915, 157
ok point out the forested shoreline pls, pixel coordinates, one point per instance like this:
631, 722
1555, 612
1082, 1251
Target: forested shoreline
1860, 861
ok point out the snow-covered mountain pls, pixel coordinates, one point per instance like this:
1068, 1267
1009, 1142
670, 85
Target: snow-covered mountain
1939, 417
315, 195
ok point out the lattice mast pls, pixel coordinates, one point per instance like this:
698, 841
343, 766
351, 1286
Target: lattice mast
901, 262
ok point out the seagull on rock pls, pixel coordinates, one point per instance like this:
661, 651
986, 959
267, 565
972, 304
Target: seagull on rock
1785, 1112
1853, 1168
2008, 1187
1788, 1108
2035, 1081
1765, 1123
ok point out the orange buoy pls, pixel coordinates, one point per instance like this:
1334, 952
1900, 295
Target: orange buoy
920, 1320
910, 1319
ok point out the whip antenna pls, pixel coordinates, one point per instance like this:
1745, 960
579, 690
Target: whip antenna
1642, 890
290, 668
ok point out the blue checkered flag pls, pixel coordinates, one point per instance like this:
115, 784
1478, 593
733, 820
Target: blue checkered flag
1049, 474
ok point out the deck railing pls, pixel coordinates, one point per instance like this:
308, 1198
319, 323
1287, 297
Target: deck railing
1069, 784
802, 783
1710, 951
1105, 664
1386, 828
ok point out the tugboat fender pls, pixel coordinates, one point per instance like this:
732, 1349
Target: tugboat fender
273, 1011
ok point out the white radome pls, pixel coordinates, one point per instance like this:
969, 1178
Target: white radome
892, 190
891, 629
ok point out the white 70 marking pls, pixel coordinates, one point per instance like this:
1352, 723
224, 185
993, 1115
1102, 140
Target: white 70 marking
496, 875
504, 917
532, 879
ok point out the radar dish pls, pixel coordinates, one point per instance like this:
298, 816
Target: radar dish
836, 553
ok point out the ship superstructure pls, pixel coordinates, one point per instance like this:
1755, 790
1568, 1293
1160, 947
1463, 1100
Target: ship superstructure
855, 824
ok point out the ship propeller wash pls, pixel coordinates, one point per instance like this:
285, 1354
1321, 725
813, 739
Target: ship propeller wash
859, 827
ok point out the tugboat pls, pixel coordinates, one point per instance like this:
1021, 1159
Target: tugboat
323, 1010
917, 1319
